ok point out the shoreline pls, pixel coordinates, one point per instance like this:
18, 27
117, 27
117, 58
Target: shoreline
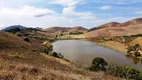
112, 45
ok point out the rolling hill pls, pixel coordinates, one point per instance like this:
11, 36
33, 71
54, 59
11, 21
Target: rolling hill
10, 43
131, 27
13, 27
66, 30
20, 61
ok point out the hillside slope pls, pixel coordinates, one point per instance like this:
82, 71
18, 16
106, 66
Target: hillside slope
11, 43
16, 65
66, 30
116, 29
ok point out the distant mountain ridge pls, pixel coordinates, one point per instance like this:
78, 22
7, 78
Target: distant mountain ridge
117, 29
13, 27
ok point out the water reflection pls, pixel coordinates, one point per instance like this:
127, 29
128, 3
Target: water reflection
135, 60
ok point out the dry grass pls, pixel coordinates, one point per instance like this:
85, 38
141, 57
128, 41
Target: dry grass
19, 62
116, 31
44, 67
9, 43
137, 41
115, 46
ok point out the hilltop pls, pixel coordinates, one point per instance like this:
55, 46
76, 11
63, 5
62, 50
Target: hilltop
13, 27
131, 27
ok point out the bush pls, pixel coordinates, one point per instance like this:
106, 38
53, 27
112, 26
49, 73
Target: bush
137, 54
54, 54
48, 49
124, 72
44, 50
98, 64
134, 50
58, 55
75, 33
27, 39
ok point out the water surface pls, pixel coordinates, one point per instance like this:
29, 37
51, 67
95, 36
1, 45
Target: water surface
83, 52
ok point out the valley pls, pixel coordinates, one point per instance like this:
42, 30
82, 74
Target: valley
64, 53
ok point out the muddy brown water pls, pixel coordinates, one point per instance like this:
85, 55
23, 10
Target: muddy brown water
82, 52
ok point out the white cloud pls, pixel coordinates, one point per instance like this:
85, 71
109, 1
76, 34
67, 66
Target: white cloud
24, 15
24, 11
66, 2
16, 3
105, 7
14, 12
31, 16
117, 1
70, 12
138, 12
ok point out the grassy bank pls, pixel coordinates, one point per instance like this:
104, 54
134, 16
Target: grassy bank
114, 45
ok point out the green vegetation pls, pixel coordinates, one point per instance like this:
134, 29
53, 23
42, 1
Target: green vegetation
134, 50
99, 64
57, 55
27, 39
75, 33
124, 72
95, 28
48, 49
121, 39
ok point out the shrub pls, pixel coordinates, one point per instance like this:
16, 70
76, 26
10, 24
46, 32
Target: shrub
98, 64
58, 55
137, 54
75, 33
48, 48
134, 50
27, 39
44, 50
124, 72
54, 54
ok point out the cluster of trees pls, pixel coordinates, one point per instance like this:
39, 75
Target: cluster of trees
124, 72
99, 64
134, 50
49, 51
75, 33
122, 39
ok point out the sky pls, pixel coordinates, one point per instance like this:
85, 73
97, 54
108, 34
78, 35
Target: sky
67, 13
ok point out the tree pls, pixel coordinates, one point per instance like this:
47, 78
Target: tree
27, 39
134, 50
98, 64
137, 54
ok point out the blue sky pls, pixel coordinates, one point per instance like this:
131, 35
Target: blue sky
67, 13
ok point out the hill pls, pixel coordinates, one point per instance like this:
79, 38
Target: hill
111, 24
66, 30
22, 60
10, 43
13, 27
131, 27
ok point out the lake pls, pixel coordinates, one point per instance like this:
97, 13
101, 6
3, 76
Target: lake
83, 52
